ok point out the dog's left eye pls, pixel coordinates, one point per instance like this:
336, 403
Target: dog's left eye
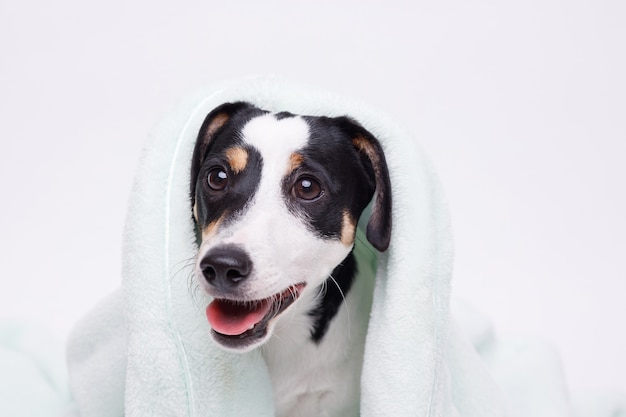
307, 188
217, 179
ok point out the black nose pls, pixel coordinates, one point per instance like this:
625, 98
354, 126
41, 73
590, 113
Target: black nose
226, 266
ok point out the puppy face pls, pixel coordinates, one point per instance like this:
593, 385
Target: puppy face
276, 199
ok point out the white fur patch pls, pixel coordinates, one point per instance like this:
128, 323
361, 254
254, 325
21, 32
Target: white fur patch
276, 140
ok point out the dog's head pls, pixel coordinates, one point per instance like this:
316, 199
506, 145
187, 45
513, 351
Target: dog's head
276, 198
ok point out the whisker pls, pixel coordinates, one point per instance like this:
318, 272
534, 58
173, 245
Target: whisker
277, 301
278, 338
343, 296
186, 263
194, 288
289, 313
323, 290
196, 291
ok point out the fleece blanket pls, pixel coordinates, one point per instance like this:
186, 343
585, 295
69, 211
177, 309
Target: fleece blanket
146, 349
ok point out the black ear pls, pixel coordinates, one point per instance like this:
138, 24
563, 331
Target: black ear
212, 124
379, 226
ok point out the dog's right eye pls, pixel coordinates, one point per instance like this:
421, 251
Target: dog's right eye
307, 188
217, 179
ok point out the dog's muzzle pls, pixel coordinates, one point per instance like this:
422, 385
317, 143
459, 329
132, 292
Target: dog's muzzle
238, 322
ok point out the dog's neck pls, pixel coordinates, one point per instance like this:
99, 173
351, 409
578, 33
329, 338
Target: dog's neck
316, 367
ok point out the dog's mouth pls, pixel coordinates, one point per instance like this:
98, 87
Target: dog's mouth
237, 324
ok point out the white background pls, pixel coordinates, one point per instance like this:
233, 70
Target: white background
521, 105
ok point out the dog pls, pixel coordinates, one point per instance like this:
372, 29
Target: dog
276, 198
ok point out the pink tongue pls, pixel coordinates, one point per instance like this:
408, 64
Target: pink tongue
234, 319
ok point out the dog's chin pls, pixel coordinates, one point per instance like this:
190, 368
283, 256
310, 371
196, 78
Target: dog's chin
242, 325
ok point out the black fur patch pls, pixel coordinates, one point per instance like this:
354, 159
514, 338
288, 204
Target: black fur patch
283, 115
347, 179
335, 291
228, 203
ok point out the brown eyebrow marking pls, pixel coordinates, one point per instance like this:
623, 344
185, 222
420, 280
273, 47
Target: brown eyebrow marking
237, 158
295, 160
348, 229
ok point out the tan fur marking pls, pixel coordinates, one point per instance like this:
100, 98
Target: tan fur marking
237, 159
348, 229
363, 145
209, 231
366, 147
217, 122
295, 160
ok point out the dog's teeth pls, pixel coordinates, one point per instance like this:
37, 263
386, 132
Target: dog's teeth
251, 327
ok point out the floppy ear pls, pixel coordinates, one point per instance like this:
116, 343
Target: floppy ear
379, 226
212, 124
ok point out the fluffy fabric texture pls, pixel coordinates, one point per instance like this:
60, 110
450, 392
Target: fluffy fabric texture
146, 350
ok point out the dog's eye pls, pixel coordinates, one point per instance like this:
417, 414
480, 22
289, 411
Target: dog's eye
307, 188
217, 179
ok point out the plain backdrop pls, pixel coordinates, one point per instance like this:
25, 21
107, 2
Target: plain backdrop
520, 104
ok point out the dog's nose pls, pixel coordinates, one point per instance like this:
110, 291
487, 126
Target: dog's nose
225, 267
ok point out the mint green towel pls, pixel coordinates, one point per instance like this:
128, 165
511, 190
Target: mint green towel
146, 349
